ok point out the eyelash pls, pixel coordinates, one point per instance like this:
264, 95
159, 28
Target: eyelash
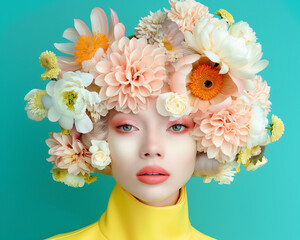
121, 127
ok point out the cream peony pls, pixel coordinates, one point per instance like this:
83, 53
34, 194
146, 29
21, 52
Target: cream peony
243, 30
34, 107
67, 101
101, 154
211, 38
173, 105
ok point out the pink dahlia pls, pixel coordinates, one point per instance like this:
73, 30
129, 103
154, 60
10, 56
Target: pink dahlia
129, 73
68, 153
260, 94
186, 13
85, 43
222, 134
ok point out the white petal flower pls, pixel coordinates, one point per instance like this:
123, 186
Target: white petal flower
67, 101
74, 180
34, 107
252, 167
243, 30
101, 154
239, 58
225, 176
173, 105
258, 133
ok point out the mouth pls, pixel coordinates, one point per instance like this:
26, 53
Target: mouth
152, 175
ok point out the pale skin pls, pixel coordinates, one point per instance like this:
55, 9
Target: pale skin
147, 139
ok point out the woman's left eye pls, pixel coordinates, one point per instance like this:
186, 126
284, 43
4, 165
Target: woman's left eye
178, 127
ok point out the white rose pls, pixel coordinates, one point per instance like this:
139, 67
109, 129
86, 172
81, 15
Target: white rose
101, 154
173, 105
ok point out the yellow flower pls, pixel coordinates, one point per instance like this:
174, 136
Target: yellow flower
59, 174
50, 73
34, 107
65, 131
243, 157
226, 15
89, 179
48, 60
277, 128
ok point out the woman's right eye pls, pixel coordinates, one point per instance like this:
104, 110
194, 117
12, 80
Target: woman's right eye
126, 128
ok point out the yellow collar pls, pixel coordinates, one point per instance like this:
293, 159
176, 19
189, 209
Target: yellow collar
127, 218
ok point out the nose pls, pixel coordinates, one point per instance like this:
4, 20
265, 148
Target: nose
152, 146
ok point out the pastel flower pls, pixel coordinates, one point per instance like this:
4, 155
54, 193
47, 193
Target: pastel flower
252, 167
84, 43
68, 153
74, 180
129, 73
150, 27
34, 107
199, 78
223, 133
89, 179
243, 30
260, 94
211, 38
225, 176
67, 101
58, 174
101, 154
48, 60
277, 128
173, 105
225, 15
157, 29
258, 133
186, 13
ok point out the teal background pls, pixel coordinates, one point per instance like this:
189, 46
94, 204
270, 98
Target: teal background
258, 205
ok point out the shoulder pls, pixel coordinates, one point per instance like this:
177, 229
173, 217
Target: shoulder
90, 232
196, 235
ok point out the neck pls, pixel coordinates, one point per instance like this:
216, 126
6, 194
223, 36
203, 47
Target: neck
172, 200
128, 218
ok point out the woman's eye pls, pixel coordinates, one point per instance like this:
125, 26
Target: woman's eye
178, 127
126, 128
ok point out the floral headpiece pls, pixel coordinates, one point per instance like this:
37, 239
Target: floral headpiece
210, 64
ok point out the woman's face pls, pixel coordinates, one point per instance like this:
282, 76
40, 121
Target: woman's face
147, 139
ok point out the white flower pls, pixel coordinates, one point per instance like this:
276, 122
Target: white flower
97, 111
150, 27
101, 154
252, 167
34, 107
173, 105
243, 30
225, 176
74, 180
211, 38
258, 134
67, 101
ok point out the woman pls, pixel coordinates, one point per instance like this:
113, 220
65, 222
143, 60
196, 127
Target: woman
180, 98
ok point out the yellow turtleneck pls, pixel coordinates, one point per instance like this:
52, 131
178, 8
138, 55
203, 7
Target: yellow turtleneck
126, 218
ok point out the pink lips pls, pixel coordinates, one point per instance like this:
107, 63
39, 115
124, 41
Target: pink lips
159, 175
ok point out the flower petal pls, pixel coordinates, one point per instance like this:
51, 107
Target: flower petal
84, 125
99, 21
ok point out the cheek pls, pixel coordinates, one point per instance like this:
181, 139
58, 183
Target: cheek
123, 151
183, 152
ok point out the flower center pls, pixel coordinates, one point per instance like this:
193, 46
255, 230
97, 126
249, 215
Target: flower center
206, 82
69, 99
168, 45
86, 46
